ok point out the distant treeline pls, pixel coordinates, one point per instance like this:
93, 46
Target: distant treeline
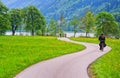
32, 20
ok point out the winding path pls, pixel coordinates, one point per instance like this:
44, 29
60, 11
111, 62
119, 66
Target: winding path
68, 66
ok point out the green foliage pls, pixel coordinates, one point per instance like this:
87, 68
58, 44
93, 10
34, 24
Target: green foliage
38, 32
108, 65
75, 22
4, 24
106, 24
89, 22
18, 52
53, 29
62, 23
3, 9
34, 20
69, 8
15, 19
4, 19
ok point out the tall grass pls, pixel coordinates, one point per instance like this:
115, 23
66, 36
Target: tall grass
18, 52
108, 66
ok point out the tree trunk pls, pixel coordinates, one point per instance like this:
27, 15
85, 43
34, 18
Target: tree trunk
74, 34
74, 31
32, 33
13, 29
42, 32
86, 34
13, 32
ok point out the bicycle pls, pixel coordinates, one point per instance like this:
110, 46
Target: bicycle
102, 46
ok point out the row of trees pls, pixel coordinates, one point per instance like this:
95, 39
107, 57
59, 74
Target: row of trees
29, 17
103, 22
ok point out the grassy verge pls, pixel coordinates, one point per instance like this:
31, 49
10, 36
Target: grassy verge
18, 52
108, 66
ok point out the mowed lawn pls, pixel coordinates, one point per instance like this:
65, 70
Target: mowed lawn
19, 52
108, 66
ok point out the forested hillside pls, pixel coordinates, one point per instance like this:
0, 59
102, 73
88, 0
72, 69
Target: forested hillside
70, 8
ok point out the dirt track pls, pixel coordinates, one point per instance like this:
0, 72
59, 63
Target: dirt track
67, 66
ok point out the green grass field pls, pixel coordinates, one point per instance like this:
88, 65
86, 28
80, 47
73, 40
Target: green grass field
19, 52
108, 66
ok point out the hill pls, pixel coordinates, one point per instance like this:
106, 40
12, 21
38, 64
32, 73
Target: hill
70, 8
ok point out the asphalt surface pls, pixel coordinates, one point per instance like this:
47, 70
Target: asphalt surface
68, 66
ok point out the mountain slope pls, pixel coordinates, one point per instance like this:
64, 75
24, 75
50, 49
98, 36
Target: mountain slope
54, 8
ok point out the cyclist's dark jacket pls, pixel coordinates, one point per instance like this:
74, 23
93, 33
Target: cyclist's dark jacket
102, 39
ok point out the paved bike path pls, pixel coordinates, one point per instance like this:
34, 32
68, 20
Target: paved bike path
68, 66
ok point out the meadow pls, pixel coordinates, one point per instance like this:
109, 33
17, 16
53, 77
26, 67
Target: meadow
108, 66
19, 52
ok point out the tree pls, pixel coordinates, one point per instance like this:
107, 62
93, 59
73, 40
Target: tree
74, 22
106, 24
4, 24
3, 9
62, 22
53, 27
15, 19
34, 20
89, 22
4, 19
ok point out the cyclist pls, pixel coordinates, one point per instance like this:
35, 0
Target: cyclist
102, 41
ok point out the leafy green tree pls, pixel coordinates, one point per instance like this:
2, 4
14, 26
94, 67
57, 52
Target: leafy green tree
3, 9
4, 24
15, 19
106, 24
4, 19
89, 22
74, 22
81, 24
62, 22
34, 20
53, 27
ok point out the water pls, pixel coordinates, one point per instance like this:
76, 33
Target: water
18, 33
68, 34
